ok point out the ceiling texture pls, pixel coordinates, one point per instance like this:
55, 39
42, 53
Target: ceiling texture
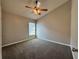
18, 7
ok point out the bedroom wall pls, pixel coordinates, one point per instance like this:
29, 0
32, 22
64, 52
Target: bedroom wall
15, 28
56, 25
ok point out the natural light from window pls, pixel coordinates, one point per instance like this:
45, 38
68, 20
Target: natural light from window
31, 29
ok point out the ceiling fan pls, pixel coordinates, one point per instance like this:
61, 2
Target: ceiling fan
36, 9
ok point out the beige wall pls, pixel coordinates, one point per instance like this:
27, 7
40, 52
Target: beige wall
15, 28
56, 25
74, 27
0, 33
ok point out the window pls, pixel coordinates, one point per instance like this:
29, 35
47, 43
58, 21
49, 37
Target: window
31, 29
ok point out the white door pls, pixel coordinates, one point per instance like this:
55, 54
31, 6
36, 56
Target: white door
74, 27
0, 32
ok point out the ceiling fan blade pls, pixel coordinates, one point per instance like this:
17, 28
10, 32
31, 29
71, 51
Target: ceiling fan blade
28, 7
44, 9
37, 4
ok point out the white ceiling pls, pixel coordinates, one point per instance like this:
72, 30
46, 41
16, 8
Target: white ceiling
18, 7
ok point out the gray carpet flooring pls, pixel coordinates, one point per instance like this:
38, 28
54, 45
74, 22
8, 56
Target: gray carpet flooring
36, 49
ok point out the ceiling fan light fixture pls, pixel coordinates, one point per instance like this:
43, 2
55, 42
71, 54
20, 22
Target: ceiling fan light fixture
39, 12
36, 9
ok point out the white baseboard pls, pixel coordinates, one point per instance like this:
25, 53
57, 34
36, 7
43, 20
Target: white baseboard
13, 43
56, 42
16, 42
40, 39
